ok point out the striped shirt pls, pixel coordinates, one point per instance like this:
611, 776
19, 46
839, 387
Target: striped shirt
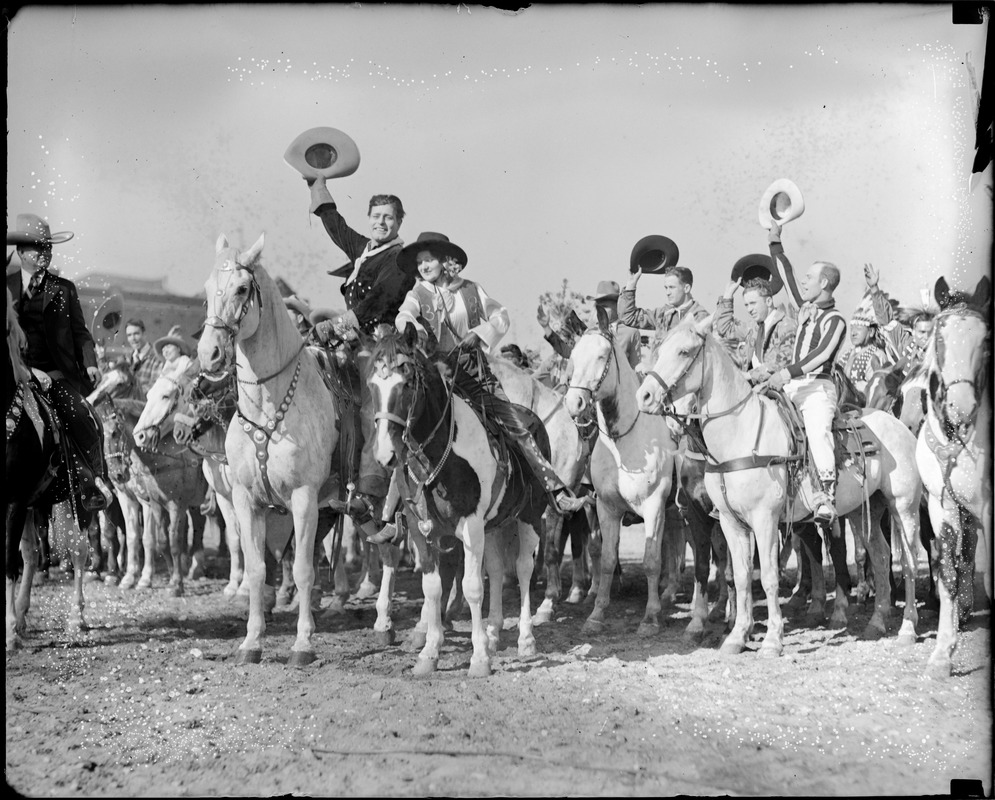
821, 328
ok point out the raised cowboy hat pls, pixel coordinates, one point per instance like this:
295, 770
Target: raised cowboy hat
607, 290
654, 254
782, 201
173, 337
757, 265
32, 229
437, 243
323, 153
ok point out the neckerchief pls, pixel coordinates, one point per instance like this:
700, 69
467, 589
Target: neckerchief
369, 252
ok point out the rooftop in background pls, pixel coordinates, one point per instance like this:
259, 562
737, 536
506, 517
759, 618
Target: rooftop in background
97, 281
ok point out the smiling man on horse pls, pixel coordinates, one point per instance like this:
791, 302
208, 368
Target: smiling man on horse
373, 290
808, 381
467, 323
60, 345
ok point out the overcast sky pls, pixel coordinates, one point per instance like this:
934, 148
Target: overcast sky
545, 143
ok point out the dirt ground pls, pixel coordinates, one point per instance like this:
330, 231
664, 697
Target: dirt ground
148, 702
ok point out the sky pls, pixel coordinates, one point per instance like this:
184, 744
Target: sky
544, 142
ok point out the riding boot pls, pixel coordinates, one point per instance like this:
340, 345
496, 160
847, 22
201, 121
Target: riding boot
825, 506
560, 497
99, 467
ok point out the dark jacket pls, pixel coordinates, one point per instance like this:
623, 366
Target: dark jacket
69, 341
380, 287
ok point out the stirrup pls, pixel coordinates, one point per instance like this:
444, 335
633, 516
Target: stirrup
827, 516
388, 533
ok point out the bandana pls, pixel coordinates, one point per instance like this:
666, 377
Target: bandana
371, 251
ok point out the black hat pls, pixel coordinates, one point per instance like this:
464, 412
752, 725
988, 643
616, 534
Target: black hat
758, 265
438, 243
654, 254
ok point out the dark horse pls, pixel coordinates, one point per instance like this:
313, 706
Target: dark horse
457, 479
39, 488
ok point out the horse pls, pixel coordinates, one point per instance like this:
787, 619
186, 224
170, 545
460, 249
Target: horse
749, 482
633, 468
427, 432
953, 455
39, 490
569, 459
280, 443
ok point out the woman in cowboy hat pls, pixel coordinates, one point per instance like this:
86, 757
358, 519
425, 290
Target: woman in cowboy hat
464, 320
174, 352
59, 344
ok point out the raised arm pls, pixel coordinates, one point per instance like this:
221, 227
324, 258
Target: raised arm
724, 323
628, 313
350, 242
783, 264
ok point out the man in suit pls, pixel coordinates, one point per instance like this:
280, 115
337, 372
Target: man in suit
60, 345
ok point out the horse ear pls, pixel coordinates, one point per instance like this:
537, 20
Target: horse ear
410, 336
221, 244
941, 291
704, 327
982, 293
603, 323
249, 257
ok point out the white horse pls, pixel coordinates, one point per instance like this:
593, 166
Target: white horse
954, 456
280, 442
632, 467
750, 448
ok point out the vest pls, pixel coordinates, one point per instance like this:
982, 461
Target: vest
32, 320
433, 312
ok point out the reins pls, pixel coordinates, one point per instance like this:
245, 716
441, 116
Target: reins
592, 391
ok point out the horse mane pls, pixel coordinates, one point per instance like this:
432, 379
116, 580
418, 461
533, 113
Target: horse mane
17, 342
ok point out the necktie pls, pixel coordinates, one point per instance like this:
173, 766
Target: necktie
35, 283
758, 350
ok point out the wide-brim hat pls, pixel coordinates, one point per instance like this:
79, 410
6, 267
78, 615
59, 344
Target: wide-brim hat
32, 229
298, 305
607, 290
757, 265
437, 243
107, 318
782, 202
175, 336
653, 254
323, 153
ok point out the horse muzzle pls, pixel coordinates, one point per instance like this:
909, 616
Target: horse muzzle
147, 438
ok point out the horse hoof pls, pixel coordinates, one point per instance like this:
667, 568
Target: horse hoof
732, 648
815, 620
366, 591
647, 629
939, 670
91, 577
384, 638
301, 658
229, 591
174, 590
593, 627
905, 639
872, 633
248, 657
694, 636
425, 666
576, 596
127, 582
143, 584
416, 640
527, 650
480, 669
773, 651
541, 617
111, 580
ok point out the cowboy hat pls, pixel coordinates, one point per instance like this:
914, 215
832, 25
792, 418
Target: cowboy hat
107, 318
323, 153
782, 201
298, 305
607, 290
653, 254
32, 229
173, 337
757, 265
437, 243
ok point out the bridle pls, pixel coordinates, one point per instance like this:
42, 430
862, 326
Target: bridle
938, 387
593, 390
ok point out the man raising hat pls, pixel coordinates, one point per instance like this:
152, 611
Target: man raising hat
59, 344
677, 283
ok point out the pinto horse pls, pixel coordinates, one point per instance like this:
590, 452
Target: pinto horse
749, 449
38, 488
464, 489
632, 466
280, 443
954, 457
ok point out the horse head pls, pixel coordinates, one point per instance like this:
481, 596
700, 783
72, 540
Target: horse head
396, 387
161, 401
593, 355
672, 377
118, 380
233, 304
118, 444
957, 363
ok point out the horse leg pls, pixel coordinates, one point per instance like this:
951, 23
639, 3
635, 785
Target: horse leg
431, 617
383, 628
579, 531
927, 540
905, 524
969, 527
554, 526
610, 523
451, 569
97, 559
740, 543
132, 511
765, 523
196, 551
236, 570
150, 541
674, 548
44, 553
177, 548
811, 547
21, 543
699, 526
724, 609
252, 536
836, 545
877, 548
77, 543
946, 526
656, 552
496, 545
528, 541
471, 531
373, 576
304, 506
287, 591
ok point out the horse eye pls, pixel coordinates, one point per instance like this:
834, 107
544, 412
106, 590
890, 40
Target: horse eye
241, 290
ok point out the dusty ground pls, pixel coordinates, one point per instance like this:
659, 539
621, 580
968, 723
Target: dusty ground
149, 703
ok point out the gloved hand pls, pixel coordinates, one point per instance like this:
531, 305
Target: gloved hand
319, 193
324, 333
774, 236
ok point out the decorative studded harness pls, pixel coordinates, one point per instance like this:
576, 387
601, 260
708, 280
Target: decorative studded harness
592, 391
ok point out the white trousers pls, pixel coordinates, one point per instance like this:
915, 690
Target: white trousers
815, 399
